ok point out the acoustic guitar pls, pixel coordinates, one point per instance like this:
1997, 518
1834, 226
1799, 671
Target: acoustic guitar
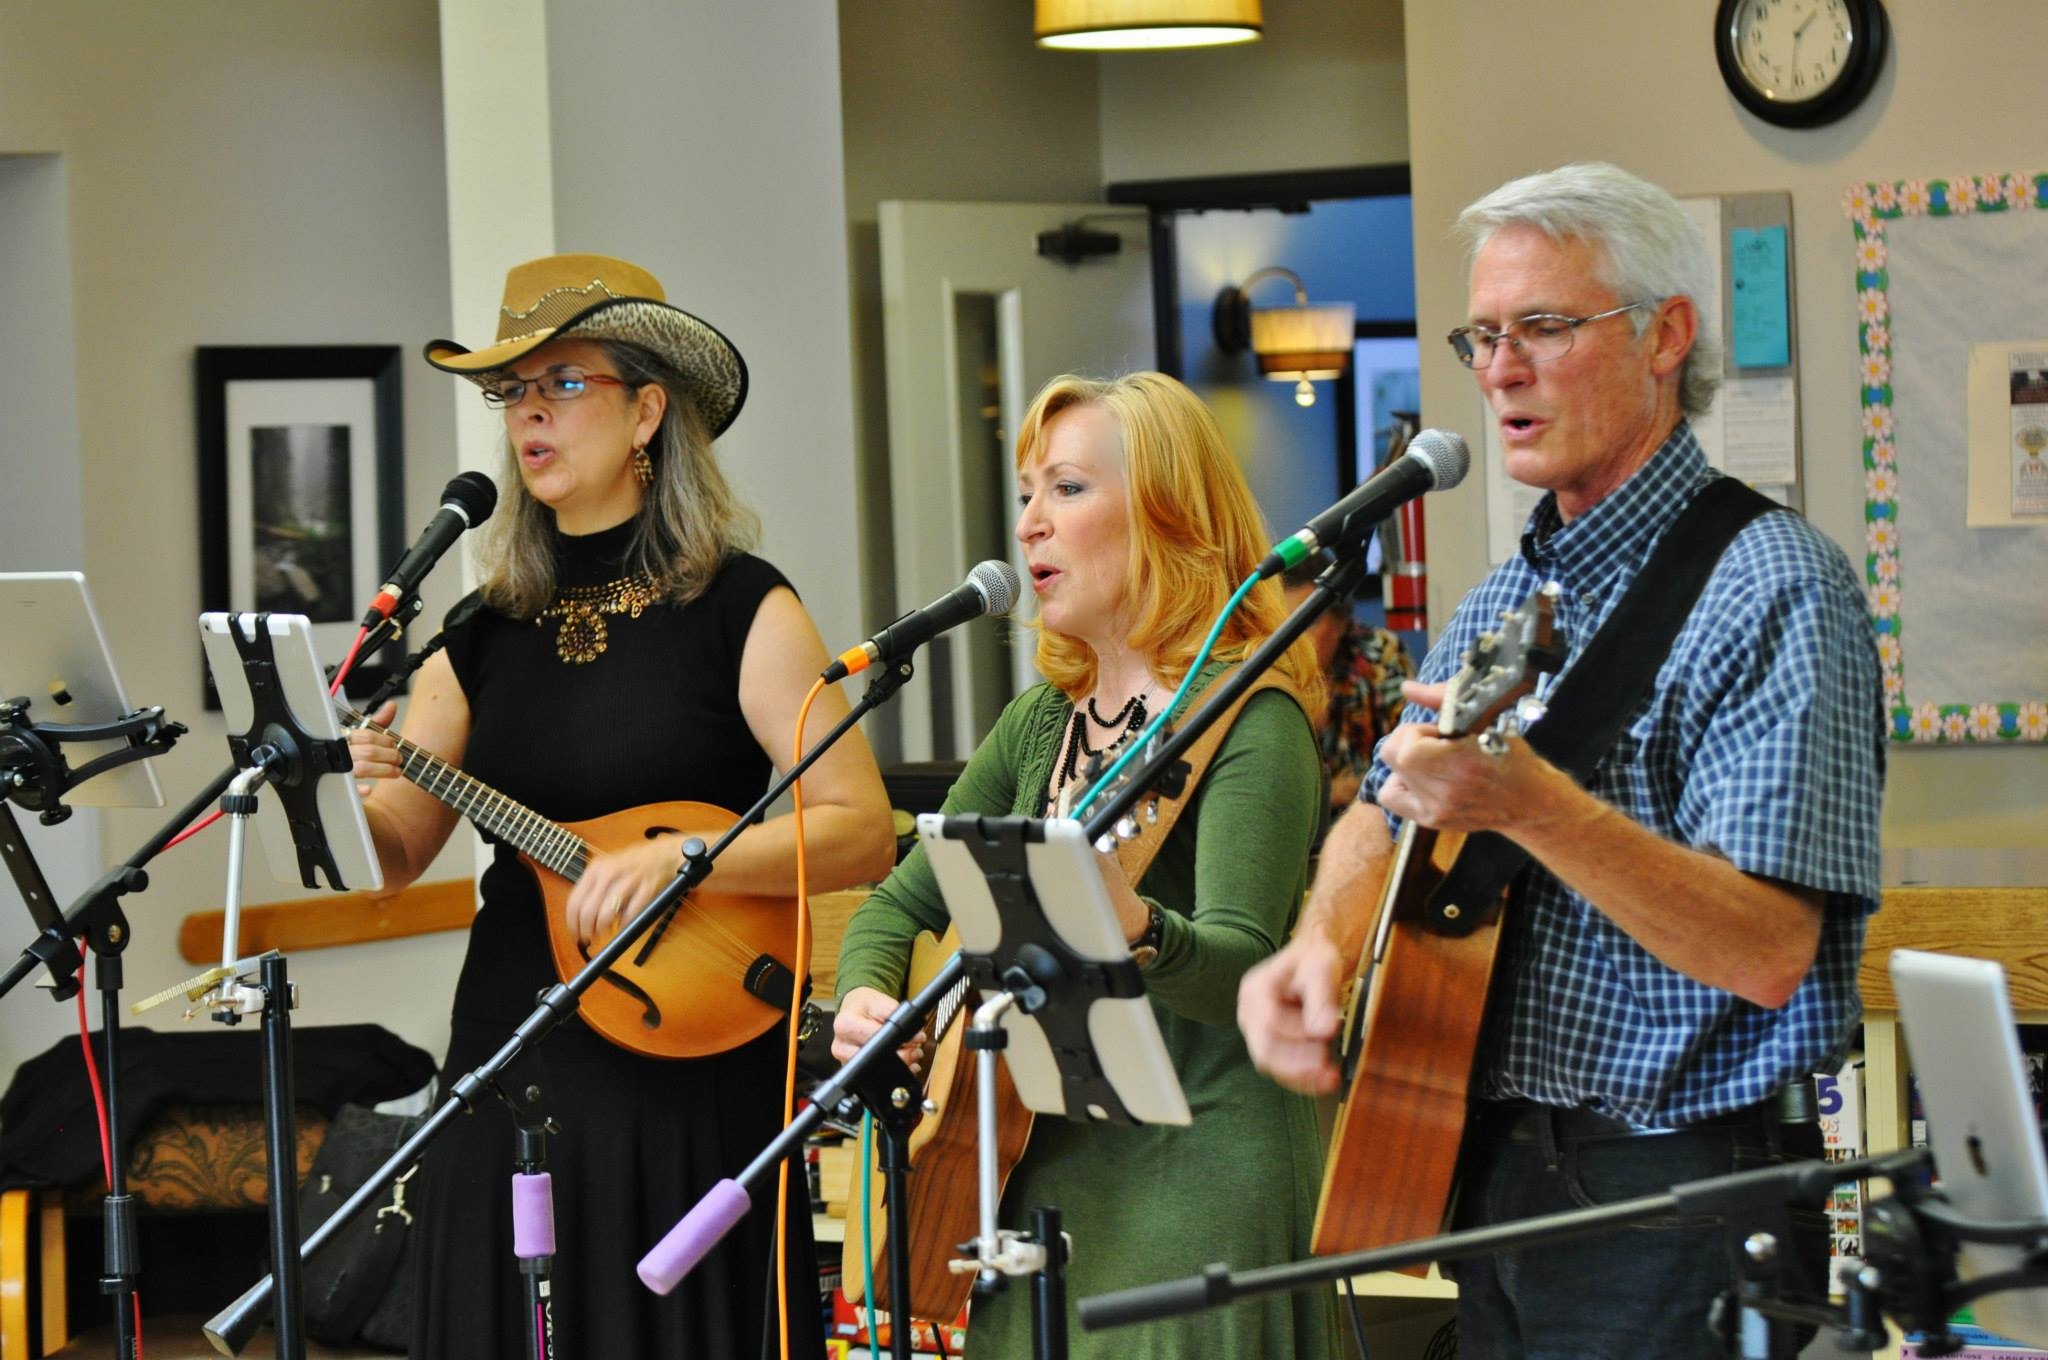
944, 1152
1412, 1014
695, 984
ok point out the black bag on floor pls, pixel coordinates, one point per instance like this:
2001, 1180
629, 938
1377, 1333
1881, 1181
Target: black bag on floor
360, 1284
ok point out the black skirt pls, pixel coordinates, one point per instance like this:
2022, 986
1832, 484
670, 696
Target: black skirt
640, 1140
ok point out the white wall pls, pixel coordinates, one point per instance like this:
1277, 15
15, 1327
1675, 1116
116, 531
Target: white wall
702, 140
1637, 84
946, 103
1326, 86
236, 174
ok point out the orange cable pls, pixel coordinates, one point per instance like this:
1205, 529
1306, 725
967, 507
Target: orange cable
796, 1006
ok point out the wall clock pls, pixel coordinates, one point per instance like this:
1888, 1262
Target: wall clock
1800, 63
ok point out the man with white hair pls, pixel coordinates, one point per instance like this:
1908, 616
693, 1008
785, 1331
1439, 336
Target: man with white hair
1681, 952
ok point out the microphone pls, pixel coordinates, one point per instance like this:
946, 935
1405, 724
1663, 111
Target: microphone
991, 588
1436, 460
466, 502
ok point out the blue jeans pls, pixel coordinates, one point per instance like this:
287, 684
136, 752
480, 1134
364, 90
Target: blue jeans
1628, 1294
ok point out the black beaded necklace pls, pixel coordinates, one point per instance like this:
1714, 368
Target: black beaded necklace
1129, 718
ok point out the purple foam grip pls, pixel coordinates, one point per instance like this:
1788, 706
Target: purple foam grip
533, 1216
690, 1240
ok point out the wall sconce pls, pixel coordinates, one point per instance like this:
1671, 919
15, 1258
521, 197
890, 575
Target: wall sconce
1305, 343
1129, 25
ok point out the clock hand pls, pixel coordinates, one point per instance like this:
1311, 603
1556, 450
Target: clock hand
1804, 22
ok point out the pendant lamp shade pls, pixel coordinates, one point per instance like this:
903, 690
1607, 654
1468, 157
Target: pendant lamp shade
1133, 25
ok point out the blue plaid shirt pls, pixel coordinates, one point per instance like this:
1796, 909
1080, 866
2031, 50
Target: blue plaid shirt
1762, 740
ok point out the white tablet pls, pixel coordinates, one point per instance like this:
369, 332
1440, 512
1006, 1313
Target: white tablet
342, 823
53, 653
1980, 1117
1060, 866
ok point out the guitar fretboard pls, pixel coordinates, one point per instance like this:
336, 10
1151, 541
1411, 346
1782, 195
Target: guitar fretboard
547, 843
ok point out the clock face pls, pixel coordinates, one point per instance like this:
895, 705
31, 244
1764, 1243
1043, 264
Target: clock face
1791, 51
1800, 63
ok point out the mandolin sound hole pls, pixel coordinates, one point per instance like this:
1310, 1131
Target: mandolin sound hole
650, 1013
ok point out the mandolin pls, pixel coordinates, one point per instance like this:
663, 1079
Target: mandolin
698, 981
1412, 1013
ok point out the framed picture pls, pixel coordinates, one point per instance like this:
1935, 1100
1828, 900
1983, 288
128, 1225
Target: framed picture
301, 487
1384, 376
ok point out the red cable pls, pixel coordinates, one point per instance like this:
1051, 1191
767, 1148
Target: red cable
189, 832
348, 662
92, 1072
99, 1101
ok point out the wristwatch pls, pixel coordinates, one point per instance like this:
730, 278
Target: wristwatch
1145, 948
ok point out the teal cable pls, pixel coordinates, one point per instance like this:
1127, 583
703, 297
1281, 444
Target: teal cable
1152, 728
867, 1238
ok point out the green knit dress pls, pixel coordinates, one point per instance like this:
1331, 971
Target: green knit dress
1238, 1186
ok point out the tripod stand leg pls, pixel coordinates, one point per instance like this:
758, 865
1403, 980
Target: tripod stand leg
533, 1234
896, 1178
121, 1257
281, 1132
1049, 1288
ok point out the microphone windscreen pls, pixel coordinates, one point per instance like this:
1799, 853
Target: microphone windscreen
474, 493
1446, 454
999, 584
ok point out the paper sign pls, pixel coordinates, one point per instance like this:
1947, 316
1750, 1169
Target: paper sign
1761, 327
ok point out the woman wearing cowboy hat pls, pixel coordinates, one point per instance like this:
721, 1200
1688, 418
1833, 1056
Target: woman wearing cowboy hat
630, 651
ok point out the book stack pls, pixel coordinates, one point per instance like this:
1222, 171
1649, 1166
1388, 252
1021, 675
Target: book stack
847, 1337
1978, 1344
1840, 1102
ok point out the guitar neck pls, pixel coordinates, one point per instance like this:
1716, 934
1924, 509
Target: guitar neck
547, 843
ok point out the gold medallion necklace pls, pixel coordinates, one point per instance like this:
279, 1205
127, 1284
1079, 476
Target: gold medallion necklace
583, 634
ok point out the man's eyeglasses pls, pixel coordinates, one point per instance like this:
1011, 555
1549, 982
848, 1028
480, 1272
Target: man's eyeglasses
559, 384
1539, 338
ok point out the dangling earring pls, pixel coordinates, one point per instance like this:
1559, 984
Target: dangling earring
643, 466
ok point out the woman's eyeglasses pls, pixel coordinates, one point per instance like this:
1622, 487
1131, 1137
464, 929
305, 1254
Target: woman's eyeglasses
559, 384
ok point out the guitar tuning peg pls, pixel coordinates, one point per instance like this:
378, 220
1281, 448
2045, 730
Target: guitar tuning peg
1106, 843
1152, 811
1493, 744
1126, 828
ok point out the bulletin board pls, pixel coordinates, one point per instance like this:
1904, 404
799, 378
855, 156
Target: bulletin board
1952, 308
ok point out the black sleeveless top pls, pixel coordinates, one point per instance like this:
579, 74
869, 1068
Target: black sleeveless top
655, 718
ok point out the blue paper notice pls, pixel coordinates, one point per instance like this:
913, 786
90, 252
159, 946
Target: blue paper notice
1761, 328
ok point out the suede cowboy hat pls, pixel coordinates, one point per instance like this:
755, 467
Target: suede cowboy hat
595, 297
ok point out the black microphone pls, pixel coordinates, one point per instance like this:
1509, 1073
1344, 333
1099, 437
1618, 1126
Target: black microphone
991, 588
466, 502
1436, 460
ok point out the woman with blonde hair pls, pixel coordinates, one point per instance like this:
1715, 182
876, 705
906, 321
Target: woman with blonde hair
628, 650
1137, 527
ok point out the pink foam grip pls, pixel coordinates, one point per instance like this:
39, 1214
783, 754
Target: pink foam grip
533, 1216
703, 1228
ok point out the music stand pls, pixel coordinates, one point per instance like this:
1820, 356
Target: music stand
56, 658
55, 652
1981, 1124
1062, 997
283, 732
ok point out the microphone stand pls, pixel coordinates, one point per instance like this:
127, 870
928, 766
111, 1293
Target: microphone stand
1751, 1204
231, 1329
33, 771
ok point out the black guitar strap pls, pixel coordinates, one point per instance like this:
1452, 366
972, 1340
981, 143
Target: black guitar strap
1600, 693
